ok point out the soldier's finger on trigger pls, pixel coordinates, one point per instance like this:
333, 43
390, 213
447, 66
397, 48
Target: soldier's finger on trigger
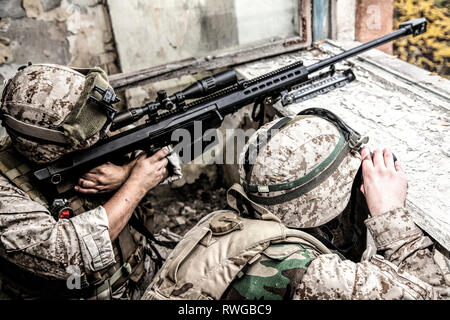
141, 157
163, 164
164, 173
161, 154
86, 183
90, 176
87, 190
93, 171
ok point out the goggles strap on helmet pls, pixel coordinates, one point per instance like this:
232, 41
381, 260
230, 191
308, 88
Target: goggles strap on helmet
236, 197
356, 141
352, 135
308, 182
253, 149
349, 141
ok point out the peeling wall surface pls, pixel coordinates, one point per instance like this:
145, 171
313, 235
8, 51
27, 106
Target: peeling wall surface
373, 20
344, 24
151, 33
68, 32
405, 109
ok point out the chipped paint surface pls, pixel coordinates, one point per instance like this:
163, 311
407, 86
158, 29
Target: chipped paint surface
68, 32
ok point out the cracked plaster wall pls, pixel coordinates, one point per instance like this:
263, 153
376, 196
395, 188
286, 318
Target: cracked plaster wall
69, 32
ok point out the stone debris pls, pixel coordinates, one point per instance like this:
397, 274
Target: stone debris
179, 209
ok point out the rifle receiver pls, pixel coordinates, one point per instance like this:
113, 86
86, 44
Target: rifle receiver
201, 88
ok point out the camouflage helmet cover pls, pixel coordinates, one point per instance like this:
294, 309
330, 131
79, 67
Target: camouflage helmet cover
45, 96
295, 151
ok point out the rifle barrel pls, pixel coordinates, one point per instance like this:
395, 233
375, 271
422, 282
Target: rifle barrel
357, 50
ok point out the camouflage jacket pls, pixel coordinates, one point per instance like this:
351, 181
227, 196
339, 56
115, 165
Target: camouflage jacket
33, 240
406, 266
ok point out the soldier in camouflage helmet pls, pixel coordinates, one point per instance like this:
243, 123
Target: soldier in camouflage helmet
76, 241
301, 179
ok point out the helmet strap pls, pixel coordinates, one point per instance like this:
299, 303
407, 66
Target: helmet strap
350, 141
254, 148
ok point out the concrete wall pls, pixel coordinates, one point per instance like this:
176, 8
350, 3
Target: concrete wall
265, 19
343, 17
68, 32
151, 33
374, 18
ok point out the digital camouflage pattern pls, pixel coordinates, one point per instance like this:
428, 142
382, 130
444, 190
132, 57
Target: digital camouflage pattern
290, 154
34, 242
408, 265
272, 278
43, 95
32, 239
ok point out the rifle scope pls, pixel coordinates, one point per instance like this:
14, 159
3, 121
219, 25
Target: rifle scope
201, 88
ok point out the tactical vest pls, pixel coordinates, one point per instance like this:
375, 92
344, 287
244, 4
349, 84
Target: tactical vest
221, 249
129, 254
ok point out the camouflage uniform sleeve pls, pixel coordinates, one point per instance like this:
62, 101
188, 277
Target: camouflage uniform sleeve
407, 270
32, 239
329, 277
404, 244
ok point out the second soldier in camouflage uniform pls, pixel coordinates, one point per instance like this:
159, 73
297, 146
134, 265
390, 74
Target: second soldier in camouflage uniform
304, 174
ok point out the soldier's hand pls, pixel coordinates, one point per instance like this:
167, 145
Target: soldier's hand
148, 172
104, 179
385, 182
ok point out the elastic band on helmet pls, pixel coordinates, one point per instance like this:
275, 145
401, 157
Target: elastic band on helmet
313, 174
350, 141
306, 187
